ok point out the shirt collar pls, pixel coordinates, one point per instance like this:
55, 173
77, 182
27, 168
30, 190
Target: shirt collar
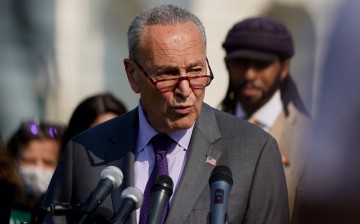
267, 114
146, 132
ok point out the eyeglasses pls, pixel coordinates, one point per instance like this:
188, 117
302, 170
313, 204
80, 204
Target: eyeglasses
196, 81
36, 128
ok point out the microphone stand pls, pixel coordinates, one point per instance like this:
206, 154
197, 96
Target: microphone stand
58, 209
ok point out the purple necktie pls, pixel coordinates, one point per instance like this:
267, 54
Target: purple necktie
161, 144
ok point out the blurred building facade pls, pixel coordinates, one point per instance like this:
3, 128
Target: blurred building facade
55, 53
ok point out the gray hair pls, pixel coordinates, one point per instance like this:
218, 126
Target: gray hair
164, 15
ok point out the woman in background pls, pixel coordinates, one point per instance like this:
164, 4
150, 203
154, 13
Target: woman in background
35, 148
92, 111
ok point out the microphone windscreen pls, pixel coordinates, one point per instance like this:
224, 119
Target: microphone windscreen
163, 182
113, 173
135, 194
221, 173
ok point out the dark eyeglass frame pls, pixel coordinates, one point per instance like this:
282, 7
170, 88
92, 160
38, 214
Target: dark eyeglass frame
179, 79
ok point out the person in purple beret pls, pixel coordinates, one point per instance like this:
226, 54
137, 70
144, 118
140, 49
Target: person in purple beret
261, 90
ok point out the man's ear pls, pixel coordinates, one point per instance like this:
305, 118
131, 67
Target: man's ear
285, 68
131, 74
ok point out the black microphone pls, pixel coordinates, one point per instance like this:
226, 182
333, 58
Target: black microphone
62, 208
161, 192
220, 183
131, 199
110, 178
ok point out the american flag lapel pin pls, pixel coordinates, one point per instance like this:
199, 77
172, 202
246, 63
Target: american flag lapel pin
210, 160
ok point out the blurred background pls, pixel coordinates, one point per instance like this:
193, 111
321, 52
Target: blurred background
53, 54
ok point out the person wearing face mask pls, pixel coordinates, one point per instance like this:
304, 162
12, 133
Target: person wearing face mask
35, 148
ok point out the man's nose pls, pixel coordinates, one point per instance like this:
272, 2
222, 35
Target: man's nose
184, 88
250, 73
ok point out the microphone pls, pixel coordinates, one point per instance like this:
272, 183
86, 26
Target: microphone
220, 183
110, 178
62, 208
161, 192
131, 199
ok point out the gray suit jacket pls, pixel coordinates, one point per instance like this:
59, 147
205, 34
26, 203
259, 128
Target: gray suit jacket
258, 194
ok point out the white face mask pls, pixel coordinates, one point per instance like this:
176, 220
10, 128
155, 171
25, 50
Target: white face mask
36, 180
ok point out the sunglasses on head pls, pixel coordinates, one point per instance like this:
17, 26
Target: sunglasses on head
37, 128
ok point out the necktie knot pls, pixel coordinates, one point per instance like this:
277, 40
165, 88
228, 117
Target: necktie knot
161, 143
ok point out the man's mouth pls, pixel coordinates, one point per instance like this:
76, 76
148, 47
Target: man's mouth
183, 109
250, 92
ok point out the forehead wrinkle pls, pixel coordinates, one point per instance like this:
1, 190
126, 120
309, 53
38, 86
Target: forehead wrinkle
174, 47
167, 53
174, 54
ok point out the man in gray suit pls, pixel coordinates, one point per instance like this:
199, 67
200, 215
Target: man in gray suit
167, 66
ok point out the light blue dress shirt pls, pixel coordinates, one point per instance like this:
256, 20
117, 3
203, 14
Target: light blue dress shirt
145, 157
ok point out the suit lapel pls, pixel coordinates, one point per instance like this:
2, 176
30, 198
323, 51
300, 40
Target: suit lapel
123, 140
280, 129
196, 172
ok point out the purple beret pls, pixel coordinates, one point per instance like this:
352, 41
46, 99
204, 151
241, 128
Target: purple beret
259, 38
